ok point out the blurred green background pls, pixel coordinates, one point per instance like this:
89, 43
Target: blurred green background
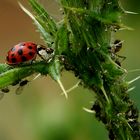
40, 113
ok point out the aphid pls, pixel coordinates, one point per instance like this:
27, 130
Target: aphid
3, 91
26, 52
22, 84
116, 47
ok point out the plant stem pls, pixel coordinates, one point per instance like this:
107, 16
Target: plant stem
91, 24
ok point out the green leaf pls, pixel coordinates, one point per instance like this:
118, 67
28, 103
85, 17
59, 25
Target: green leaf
54, 72
4, 68
42, 14
61, 40
54, 69
43, 21
10, 75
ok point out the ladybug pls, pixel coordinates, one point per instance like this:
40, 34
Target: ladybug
27, 51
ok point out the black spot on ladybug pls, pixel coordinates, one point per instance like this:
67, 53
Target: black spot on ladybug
30, 53
14, 60
20, 52
30, 47
12, 55
13, 49
23, 58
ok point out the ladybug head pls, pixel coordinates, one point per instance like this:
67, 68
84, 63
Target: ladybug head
44, 52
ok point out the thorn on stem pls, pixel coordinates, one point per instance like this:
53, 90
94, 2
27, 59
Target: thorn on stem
62, 87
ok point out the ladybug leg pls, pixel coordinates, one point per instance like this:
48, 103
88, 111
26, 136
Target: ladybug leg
32, 61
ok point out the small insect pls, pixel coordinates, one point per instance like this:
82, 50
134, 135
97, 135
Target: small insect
22, 84
116, 47
3, 91
19, 89
27, 52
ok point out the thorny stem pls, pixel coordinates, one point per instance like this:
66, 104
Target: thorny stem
83, 44
90, 26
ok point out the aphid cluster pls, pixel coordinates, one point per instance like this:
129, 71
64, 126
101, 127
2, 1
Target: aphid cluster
21, 84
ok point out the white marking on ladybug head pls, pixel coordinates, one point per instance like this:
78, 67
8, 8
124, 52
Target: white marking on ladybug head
44, 52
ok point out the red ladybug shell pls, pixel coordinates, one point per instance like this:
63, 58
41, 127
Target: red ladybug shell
22, 52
